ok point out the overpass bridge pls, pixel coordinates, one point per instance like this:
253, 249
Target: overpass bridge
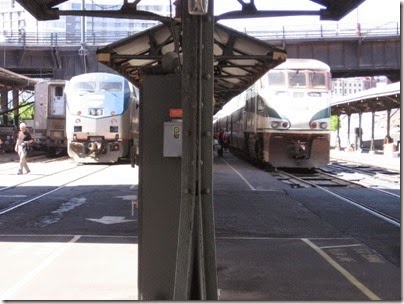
350, 50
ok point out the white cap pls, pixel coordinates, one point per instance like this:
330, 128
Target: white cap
23, 125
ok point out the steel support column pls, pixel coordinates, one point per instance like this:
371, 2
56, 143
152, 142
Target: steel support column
349, 131
360, 130
195, 273
15, 106
372, 139
4, 104
388, 138
338, 144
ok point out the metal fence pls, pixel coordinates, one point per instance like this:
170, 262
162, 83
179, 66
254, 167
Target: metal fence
267, 33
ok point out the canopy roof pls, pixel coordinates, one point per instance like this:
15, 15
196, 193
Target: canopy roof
13, 80
239, 60
375, 99
333, 10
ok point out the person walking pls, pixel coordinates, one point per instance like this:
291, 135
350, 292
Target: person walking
22, 145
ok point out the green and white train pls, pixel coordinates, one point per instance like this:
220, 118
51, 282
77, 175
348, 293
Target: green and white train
284, 118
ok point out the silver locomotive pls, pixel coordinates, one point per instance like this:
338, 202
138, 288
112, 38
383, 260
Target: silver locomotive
101, 118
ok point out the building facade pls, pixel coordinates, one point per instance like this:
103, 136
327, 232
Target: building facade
16, 22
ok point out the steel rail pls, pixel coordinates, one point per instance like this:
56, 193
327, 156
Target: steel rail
359, 205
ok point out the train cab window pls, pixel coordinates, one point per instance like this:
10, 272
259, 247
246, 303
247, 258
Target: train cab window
318, 80
84, 86
111, 86
276, 79
297, 79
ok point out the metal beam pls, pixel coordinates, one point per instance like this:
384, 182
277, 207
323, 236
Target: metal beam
195, 275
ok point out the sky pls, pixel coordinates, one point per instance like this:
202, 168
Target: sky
387, 10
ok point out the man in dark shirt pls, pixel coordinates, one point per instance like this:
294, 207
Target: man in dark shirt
24, 140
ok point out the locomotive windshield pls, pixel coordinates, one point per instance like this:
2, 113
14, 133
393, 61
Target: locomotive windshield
84, 86
298, 79
276, 79
318, 80
111, 86
97, 98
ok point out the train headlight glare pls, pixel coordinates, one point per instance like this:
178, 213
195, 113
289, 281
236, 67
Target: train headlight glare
323, 125
92, 111
275, 124
99, 112
313, 125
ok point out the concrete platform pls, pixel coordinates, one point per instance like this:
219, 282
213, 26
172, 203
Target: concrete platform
273, 245
389, 161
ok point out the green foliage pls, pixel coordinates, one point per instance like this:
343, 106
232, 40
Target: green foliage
334, 123
26, 111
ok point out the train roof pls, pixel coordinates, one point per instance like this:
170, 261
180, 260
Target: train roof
303, 64
96, 76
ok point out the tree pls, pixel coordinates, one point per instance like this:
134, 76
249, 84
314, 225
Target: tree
335, 123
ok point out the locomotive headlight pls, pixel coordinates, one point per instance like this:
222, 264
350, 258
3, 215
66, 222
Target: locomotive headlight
112, 112
77, 121
275, 124
99, 112
78, 113
92, 112
323, 125
114, 121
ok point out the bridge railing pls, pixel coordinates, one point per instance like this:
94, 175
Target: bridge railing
333, 30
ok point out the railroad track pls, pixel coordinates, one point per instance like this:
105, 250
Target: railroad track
378, 173
329, 182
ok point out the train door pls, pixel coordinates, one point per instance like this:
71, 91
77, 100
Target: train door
57, 104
